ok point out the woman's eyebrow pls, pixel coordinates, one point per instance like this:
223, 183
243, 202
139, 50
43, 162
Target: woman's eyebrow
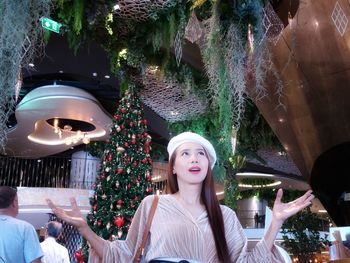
198, 149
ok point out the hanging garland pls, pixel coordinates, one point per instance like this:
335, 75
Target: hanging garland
21, 41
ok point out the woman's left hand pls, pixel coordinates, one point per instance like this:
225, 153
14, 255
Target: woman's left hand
281, 211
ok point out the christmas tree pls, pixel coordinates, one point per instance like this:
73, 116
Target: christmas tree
125, 175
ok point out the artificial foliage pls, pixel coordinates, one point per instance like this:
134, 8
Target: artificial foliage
233, 45
21, 41
125, 175
303, 240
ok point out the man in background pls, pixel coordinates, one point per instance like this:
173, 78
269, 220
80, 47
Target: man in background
19, 241
54, 252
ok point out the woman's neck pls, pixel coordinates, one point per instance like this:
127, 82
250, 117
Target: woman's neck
189, 194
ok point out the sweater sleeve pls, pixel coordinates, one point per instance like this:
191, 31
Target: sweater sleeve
125, 250
238, 245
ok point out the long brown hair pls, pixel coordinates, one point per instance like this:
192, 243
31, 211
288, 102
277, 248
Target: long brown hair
212, 206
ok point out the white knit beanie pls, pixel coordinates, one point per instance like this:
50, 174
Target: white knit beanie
195, 138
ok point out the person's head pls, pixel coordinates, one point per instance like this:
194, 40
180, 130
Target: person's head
190, 156
54, 229
191, 160
8, 201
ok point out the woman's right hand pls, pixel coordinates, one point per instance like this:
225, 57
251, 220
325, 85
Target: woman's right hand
73, 217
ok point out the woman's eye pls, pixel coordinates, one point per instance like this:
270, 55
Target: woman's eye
184, 153
201, 153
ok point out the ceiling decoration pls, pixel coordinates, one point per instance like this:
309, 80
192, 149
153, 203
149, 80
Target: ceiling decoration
140, 10
167, 97
56, 115
275, 159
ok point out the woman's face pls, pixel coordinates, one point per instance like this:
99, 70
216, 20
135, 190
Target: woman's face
191, 163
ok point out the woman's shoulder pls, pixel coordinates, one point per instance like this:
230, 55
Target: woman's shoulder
149, 198
227, 212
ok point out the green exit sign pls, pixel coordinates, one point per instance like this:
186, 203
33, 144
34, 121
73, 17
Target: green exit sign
50, 24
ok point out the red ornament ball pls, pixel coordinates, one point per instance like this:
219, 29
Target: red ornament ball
120, 170
119, 221
79, 256
131, 124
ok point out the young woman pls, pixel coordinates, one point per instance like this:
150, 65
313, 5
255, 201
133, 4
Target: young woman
188, 223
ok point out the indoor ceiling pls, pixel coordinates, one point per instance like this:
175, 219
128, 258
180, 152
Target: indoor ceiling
78, 86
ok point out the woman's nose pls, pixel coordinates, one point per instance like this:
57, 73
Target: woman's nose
194, 159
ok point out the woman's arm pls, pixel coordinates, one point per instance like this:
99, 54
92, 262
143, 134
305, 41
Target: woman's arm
75, 218
282, 211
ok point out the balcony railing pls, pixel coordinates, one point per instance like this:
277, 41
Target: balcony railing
44, 172
62, 172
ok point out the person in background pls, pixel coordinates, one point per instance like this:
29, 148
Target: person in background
256, 219
19, 241
189, 223
53, 252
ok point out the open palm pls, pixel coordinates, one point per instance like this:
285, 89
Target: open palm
282, 211
73, 217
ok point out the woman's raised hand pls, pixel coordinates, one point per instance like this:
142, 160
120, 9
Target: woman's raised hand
281, 211
73, 217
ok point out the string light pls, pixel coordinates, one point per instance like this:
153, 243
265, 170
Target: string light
74, 137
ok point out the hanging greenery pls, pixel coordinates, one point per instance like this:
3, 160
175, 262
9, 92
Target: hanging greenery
21, 40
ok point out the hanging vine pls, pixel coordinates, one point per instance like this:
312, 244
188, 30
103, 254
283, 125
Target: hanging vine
21, 41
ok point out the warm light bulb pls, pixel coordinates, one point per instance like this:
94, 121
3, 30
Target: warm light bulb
86, 140
68, 141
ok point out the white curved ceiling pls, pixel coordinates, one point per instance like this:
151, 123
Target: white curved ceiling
53, 101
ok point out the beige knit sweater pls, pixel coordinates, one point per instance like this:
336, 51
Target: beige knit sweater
175, 233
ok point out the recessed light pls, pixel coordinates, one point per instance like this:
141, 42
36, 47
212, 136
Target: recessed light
61, 71
39, 161
31, 65
94, 74
107, 77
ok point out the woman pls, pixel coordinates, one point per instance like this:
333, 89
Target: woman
188, 223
